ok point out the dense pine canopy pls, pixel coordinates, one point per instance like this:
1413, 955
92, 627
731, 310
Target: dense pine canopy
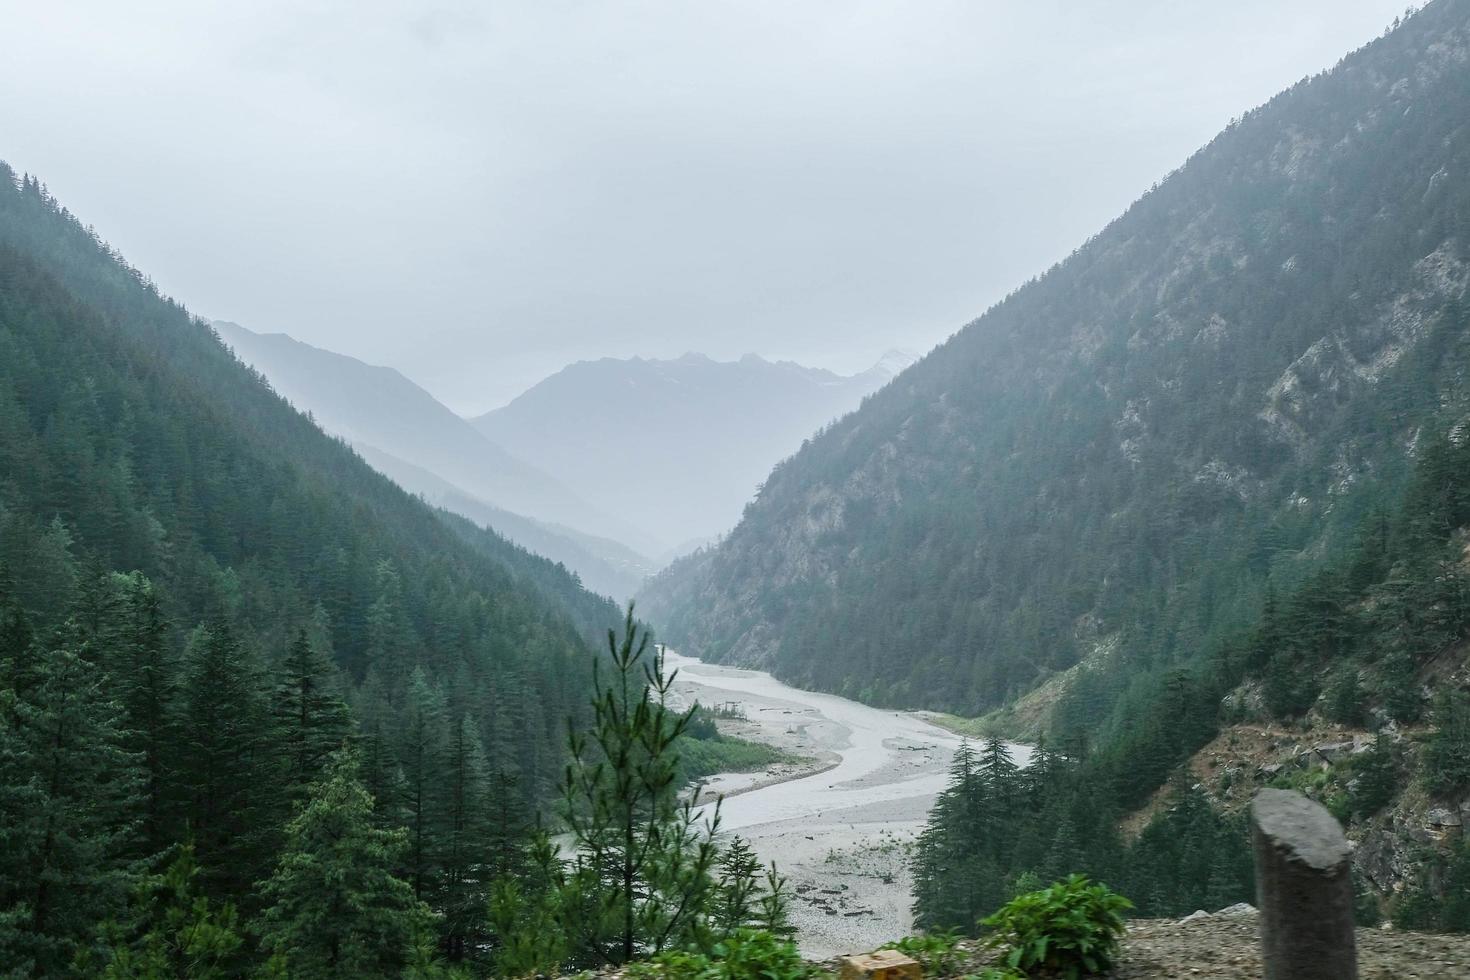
203, 599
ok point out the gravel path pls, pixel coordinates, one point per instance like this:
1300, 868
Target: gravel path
1229, 948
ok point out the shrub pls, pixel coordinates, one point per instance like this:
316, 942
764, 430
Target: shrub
935, 951
746, 954
1071, 928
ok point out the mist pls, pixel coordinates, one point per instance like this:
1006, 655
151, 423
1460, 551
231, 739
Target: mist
480, 194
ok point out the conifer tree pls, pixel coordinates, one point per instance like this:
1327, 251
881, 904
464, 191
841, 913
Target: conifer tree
467, 838
176, 931
739, 897
510, 832
16, 653
333, 907
312, 721
377, 742
69, 802
642, 875
423, 747
223, 762
144, 672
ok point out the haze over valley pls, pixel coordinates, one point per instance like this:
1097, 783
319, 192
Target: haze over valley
733, 492
691, 439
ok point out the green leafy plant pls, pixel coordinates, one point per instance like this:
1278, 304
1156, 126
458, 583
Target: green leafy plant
1071, 928
937, 951
748, 954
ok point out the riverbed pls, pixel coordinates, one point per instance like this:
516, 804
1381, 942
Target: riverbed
842, 827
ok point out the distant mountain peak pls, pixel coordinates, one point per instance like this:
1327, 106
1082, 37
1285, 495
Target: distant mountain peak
378, 406
894, 361
699, 433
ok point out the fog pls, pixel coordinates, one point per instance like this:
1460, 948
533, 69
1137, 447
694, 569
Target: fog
479, 193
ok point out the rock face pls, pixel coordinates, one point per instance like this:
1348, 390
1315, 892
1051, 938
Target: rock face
1304, 889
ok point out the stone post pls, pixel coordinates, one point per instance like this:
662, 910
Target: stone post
1304, 889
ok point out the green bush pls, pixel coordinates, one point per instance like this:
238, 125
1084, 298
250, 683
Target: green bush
1071, 928
937, 952
747, 954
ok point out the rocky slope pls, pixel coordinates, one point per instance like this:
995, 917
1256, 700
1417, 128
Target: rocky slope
1123, 453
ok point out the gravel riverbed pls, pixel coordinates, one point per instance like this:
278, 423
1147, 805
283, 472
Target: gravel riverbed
840, 828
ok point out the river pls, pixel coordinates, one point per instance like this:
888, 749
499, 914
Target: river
842, 829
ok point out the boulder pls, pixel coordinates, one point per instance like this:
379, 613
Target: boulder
1441, 816
1238, 909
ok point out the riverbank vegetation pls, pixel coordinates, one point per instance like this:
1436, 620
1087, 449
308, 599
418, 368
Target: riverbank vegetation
706, 751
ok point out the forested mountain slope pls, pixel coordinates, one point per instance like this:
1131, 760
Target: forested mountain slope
703, 433
379, 407
183, 559
604, 566
1116, 460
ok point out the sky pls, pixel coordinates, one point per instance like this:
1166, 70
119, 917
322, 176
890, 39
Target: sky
480, 193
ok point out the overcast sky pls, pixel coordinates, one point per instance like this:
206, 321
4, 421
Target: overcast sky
478, 193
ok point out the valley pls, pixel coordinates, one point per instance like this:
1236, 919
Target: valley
306, 673
841, 830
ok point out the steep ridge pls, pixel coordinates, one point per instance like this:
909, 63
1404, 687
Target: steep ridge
1113, 463
132, 439
379, 407
680, 446
603, 565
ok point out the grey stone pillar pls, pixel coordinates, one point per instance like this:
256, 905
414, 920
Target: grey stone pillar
1304, 889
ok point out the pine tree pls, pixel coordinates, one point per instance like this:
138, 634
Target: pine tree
145, 674
1447, 752
333, 905
1000, 778
311, 720
739, 896
381, 774
467, 837
422, 754
643, 870
176, 931
222, 763
529, 912
749, 895
16, 653
956, 878
510, 831
69, 802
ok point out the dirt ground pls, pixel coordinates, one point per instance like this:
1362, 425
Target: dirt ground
1227, 947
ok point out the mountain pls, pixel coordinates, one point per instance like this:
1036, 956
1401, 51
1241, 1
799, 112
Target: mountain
1118, 464
379, 407
603, 566
679, 446
195, 580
